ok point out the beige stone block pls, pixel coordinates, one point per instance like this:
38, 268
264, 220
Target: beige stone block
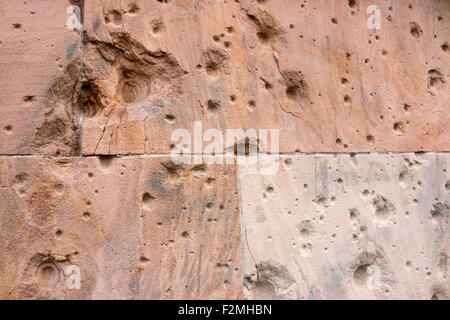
341, 227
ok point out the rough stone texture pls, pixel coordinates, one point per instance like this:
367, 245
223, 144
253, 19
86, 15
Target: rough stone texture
326, 227
40, 60
138, 228
141, 227
312, 69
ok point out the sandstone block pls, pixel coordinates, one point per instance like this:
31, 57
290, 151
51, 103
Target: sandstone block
312, 70
40, 63
133, 228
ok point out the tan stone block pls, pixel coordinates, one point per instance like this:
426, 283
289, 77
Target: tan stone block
136, 227
40, 59
314, 71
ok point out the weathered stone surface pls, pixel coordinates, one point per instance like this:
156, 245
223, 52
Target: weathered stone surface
137, 228
40, 59
311, 69
341, 227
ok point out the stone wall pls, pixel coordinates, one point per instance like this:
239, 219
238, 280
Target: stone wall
93, 204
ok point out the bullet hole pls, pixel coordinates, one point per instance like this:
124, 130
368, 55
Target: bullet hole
132, 9
252, 104
90, 175
170, 118
291, 26
348, 55
86, 215
370, 138
59, 188
352, 3
147, 199
58, 234
163, 1
185, 234
227, 44
366, 60
106, 161
216, 38
445, 47
334, 21
213, 105
338, 141
406, 107
384, 52
399, 127
8, 128
296, 87
215, 61
233, 98
266, 25
416, 30
347, 98
157, 26
344, 81
435, 78
48, 273
383, 207
447, 186
28, 98
288, 162
263, 36
230, 29
353, 213
133, 86
267, 84
17, 25
114, 17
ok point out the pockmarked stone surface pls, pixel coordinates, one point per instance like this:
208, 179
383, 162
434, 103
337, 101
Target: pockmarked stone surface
314, 70
118, 228
342, 227
40, 65
95, 95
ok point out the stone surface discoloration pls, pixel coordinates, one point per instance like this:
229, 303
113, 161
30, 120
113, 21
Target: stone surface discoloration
342, 227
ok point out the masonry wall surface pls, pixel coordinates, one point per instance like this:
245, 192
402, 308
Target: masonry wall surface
355, 207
